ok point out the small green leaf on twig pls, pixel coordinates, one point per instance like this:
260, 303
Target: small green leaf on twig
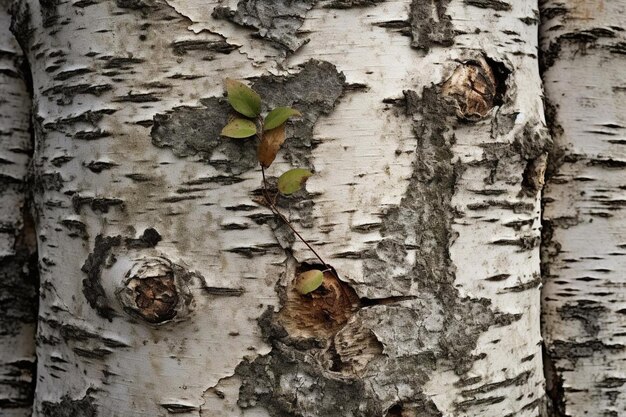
293, 180
309, 281
239, 128
278, 116
243, 99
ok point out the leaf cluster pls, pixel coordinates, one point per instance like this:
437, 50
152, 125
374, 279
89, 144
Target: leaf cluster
270, 131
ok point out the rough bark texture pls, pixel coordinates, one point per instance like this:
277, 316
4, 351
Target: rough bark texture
584, 253
18, 263
167, 287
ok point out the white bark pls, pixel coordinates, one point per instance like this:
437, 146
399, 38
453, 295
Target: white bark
432, 222
17, 282
583, 297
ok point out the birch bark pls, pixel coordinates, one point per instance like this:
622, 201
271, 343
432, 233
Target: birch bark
167, 288
583, 296
18, 265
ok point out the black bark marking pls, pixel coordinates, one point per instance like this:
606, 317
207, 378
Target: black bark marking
421, 406
149, 239
518, 380
91, 117
67, 407
68, 92
76, 228
224, 292
97, 204
222, 47
99, 166
275, 20
49, 13
18, 295
347, 4
580, 40
92, 285
588, 312
490, 4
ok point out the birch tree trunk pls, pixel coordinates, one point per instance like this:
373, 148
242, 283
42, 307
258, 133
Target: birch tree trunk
584, 302
18, 263
168, 287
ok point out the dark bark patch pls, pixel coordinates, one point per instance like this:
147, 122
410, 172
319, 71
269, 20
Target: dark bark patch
21, 23
92, 285
587, 312
18, 295
91, 117
533, 178
17, 383
68, 92
421, 406
498, 5
91, 134
149, 239
275, 20
137, 98
221, 46
430, 25
67, 407
76, 228
196, 130
315, 91
49, 13
97, 204
348, 4
99, 166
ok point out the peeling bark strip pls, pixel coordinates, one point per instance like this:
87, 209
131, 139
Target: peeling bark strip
583, 252
18, 258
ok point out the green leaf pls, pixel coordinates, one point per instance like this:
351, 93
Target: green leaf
278, 116
292, 180
243, 99
239, 128
309, 281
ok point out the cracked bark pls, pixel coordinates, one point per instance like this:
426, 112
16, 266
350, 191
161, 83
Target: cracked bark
428, 156
583, 253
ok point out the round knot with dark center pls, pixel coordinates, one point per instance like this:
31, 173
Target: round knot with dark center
150, 291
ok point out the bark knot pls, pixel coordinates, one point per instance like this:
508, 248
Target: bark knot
476, 86
153, 290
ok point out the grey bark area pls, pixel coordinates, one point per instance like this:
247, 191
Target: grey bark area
428, 24
18, 259
275, 20
315, 89
583, 251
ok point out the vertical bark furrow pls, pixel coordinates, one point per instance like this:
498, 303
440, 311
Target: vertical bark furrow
18, 264
584, 226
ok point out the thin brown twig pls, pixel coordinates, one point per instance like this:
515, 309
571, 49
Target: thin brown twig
284, 219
